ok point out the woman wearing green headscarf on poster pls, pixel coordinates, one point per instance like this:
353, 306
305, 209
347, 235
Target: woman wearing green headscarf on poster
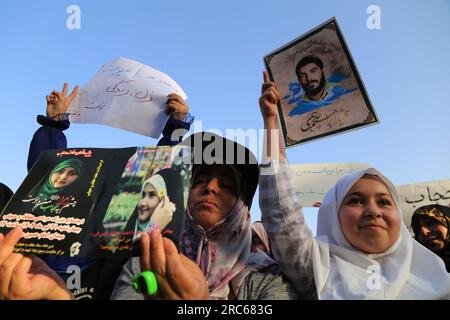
61, 177
57, 184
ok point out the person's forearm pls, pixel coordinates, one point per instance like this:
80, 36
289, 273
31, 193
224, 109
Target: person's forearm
273, 146
290, 238
174, 131
49, 136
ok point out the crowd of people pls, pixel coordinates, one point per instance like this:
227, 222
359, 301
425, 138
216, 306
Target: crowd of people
362, 248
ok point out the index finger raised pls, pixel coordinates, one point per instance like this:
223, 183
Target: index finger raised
266, 76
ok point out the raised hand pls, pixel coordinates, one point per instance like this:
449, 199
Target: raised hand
176, 106
59, 102
269, 98
273, 147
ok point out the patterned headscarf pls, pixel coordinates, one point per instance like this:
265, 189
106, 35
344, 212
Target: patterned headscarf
260, 259
221, 252
435, 212
258, 228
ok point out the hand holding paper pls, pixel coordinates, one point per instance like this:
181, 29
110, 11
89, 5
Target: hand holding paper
176, 106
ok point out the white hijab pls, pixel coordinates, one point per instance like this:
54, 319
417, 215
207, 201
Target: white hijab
407, 270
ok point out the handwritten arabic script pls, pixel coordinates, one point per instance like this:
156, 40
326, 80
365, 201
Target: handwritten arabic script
312, 181
434, 196
331, 119
128, 95
124, 88
413, 196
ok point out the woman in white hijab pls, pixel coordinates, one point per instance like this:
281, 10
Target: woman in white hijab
363, 249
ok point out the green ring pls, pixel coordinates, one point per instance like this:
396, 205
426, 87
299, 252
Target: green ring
146, 283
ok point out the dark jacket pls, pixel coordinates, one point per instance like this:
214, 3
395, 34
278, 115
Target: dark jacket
5, 195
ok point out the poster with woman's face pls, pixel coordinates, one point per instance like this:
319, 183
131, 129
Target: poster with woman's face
54, 203
97, 202
152, 193
320, 90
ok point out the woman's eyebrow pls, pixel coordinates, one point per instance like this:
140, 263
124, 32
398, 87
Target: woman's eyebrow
360, 194
383, 194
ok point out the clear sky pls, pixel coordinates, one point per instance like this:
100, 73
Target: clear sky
214, 50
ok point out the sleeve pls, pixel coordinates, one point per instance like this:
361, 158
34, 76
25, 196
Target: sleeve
267, 284
291, 239
174, 131
123, 288
49, 136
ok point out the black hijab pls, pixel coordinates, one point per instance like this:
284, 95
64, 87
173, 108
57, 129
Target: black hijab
5, 195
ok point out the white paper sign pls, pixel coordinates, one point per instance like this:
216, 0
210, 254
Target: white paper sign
413, 196
128, 95
312, 181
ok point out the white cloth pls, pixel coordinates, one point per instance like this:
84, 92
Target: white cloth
158, 183
407, 270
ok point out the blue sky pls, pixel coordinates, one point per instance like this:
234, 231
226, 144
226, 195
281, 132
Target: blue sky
214, 50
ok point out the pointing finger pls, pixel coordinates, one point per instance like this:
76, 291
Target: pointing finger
266, 76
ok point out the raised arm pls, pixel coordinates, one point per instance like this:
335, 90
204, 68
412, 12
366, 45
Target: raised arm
50, 135
273, 148
179, 122
291, 239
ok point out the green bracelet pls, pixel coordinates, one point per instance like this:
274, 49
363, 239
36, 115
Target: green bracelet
145, 283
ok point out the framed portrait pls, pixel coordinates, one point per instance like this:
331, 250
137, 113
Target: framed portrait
321, 91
